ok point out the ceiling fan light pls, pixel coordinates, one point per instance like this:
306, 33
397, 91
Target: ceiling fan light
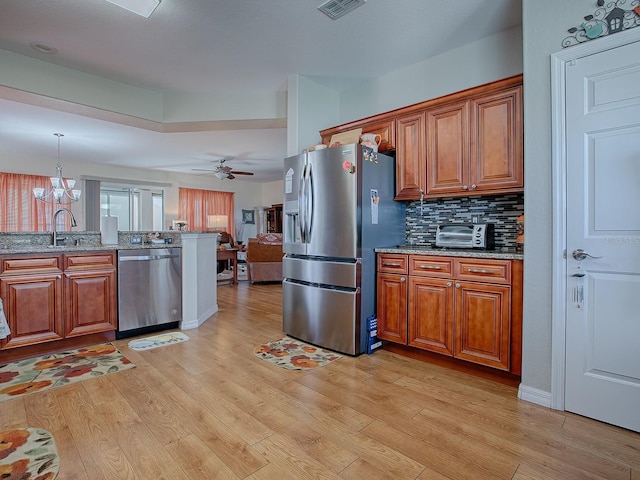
221, 175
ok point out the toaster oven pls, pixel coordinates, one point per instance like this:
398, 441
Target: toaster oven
472, 235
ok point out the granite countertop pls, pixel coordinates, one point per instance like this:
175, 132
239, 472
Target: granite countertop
503, 253
11, 250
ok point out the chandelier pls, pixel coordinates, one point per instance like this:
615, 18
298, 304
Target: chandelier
61, 190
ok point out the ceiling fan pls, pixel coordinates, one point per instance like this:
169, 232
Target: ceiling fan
223, 171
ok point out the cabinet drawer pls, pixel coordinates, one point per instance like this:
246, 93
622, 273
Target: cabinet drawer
392, 263
426, 266
21, 265
89, 260
484, 270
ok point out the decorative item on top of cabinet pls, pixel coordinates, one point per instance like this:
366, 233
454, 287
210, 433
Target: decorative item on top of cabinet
379, 125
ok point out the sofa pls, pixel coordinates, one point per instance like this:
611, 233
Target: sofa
264, 258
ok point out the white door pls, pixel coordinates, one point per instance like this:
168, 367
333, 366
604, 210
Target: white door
602, 377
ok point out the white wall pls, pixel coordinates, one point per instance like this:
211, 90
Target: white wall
492, 58
311, 107
43, 78
545, 24
199, 107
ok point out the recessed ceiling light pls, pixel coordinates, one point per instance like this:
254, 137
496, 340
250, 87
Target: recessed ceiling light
43, 47
144, 8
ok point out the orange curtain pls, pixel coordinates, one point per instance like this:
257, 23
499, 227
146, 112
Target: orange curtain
196, 204
19, 209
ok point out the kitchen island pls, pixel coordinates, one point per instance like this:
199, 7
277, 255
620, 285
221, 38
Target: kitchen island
461, 308
66, 296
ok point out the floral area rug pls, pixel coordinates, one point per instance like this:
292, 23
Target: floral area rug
58, 369
156, 341
295, 355
28, 453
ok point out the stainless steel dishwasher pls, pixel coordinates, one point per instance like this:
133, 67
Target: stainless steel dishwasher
149, 290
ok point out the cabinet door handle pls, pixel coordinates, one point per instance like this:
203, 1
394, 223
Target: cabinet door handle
388, 264
448, 284
473, 186
464, 187
480, 270
431, 267
402, 279
457, 285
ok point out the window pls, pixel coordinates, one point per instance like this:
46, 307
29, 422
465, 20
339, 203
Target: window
19, 210
136, 208
116, 202
196, 204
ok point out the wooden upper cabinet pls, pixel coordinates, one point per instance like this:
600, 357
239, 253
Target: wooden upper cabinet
387, 131
474, 146
410, 156
466, 143
496, 160
447, 148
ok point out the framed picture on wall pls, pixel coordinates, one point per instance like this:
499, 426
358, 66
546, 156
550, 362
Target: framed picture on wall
248, 216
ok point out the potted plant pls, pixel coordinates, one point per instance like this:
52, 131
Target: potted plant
239, 230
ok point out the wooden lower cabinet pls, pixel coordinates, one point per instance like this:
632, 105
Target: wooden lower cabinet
430, 313
392, 311
392, 297
55, 297
459, 307
483, 323
90, 302
90, 293
33, 308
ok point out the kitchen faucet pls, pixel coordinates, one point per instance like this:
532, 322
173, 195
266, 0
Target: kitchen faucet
54, 225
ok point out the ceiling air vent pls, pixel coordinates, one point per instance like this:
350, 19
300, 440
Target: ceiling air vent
335, 9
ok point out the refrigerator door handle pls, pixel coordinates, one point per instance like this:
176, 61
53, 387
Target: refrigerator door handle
309, 195
302, 205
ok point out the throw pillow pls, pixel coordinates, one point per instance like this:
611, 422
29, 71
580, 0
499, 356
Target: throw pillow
269, 238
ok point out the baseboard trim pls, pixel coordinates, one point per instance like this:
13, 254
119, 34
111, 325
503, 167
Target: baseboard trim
534, 395
195, 323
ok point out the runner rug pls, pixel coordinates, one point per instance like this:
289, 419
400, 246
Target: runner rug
295, 355
58, 369
28, 453
156, 341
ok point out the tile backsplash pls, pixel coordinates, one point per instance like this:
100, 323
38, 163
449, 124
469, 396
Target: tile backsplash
501, 210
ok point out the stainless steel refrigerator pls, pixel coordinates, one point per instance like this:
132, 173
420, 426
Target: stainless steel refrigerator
338, 207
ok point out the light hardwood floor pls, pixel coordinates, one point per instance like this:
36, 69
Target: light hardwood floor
209, 408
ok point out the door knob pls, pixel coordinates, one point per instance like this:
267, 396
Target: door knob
579, 254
